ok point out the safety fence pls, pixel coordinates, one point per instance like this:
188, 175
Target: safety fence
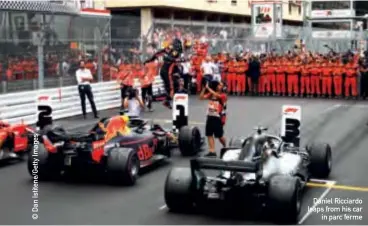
21, 107
49, 46
234, 37
106, 42
229, 37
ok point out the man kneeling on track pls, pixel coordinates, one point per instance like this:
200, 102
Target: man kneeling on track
216, 114
133, 103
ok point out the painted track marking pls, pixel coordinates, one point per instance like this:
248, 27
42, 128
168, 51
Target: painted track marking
321, 181
170, 121
310, 210
338, 187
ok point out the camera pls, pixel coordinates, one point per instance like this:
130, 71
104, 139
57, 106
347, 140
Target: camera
213, 85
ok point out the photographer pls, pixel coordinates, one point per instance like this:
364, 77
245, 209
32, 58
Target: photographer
133, 103
216, 114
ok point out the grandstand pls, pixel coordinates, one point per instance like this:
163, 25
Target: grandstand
213, 19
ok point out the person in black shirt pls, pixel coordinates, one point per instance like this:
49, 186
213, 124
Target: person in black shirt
171, 58
254, 72
363, 67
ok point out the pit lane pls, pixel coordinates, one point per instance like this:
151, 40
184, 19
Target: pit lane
340, 123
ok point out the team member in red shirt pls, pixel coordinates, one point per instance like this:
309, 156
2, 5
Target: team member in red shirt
351, 79
216, 115
125, 80
271, 77
315, 72
305, 80
326, 77
337, 72
292, 78
280, 76
146, 79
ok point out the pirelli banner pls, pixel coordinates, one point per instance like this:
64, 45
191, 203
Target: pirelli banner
267, 19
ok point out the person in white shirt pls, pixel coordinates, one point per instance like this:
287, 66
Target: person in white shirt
133, 104
186, 76
207, 69
84, 77
216, 71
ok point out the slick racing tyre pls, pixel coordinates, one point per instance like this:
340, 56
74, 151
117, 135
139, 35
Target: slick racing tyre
41, 163
284, 193
122, 166
237, 142
178, 196
320, 159
189, 140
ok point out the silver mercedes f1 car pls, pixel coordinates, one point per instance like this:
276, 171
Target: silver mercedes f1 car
261, 169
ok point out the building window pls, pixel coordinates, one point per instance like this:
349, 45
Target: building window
234, 2
290, 8
300, 10
162, 14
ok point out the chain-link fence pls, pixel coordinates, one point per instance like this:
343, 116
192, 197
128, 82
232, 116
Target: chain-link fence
59, 41
229, 37
234, 37
109, 44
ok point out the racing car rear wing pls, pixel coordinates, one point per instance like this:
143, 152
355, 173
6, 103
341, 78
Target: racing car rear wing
219, 164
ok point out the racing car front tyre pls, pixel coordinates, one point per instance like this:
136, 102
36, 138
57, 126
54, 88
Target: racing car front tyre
122, 166
320, 160
284, 193
178, 196
43, 164
189, 140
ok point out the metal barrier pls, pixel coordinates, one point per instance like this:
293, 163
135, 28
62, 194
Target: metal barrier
21, 107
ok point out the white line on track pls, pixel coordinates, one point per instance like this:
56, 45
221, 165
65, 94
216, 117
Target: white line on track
325, 111
310, 210
163, 207
362, 106
308, 118
322, 181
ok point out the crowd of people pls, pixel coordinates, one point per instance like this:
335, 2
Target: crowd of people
296, 73
292, 74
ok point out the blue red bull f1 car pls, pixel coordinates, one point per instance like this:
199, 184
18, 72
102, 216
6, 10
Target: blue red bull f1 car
120, 157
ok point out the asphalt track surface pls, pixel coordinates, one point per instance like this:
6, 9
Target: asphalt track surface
340, 123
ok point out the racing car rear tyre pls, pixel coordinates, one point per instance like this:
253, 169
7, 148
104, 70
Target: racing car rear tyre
48, 165
178, 196
237, 142
284, 193
320, 160
123, 166
189, 140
